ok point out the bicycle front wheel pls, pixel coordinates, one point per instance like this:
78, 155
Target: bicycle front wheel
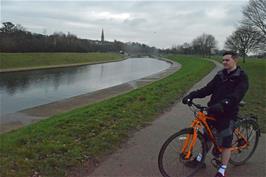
245, 129
172, 161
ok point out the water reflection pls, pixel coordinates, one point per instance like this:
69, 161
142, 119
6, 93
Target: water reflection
21, 81
27, 89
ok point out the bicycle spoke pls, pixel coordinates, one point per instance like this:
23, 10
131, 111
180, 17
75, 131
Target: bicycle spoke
251, 132
173, 148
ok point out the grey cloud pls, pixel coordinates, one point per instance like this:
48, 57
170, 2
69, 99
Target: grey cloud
159, 24
135, 22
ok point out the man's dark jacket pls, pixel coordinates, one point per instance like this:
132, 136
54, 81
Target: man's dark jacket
227, 89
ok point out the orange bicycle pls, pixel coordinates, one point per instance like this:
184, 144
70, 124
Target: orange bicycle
184, 146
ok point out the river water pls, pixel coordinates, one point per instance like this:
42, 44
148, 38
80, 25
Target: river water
22, 90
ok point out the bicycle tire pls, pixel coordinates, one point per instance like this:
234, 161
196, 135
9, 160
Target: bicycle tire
246, 122
166, 144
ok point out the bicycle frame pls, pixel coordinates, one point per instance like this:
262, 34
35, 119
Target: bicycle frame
199, 122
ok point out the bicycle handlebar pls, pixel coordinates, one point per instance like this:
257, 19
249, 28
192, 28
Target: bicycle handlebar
198, 106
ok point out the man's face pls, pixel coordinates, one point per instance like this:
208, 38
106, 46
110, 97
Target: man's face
228, 62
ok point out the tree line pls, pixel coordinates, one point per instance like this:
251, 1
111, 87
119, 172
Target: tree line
204, 45
15, 38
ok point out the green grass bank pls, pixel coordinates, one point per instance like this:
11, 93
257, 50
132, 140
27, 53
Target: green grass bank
256, 95
54, 146
39, 60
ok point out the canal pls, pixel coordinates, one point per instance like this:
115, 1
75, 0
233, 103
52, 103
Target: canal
27, 89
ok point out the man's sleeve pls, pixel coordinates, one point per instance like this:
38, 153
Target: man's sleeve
205, 91
238, 94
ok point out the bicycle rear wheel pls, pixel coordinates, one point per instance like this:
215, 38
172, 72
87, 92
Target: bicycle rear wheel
249, 129
171, 161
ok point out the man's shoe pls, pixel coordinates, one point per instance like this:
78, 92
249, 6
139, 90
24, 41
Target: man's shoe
194, 163
218, 174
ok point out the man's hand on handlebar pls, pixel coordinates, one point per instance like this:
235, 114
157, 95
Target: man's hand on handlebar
187, 100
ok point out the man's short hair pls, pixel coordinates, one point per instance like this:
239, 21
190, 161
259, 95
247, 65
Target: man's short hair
232, 53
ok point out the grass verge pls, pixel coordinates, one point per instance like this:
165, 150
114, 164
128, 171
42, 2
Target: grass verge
53, 146
256, 96
31, 60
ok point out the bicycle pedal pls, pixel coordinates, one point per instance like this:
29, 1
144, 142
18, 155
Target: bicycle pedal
216, 163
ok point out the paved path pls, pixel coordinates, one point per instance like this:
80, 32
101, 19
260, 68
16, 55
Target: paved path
139, 156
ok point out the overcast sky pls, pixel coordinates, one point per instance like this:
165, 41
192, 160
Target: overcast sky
155, 23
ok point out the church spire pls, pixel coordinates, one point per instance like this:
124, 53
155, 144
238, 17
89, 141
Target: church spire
102, 36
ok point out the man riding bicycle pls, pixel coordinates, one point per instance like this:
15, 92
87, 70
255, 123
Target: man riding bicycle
227, 89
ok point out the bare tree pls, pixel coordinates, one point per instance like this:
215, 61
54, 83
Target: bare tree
204, 44
186, 48
8, 27
255, 15
245, 39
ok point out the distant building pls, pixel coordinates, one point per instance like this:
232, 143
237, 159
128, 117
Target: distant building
102, 36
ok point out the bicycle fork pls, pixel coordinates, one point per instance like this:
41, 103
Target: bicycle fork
189, 144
